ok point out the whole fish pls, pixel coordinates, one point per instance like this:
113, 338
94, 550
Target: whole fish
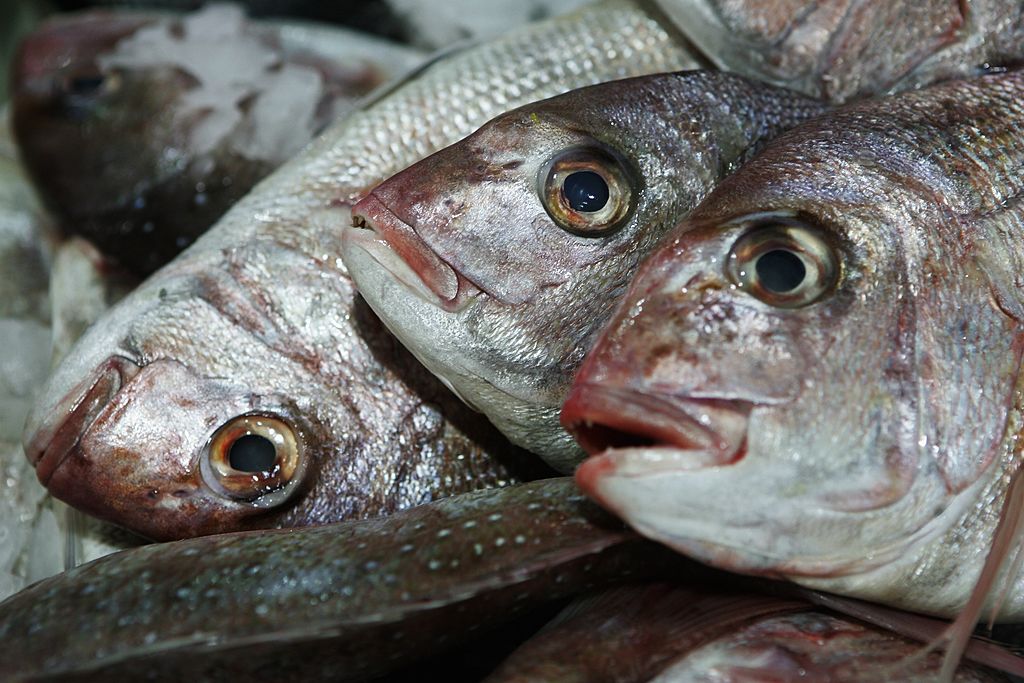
818, 375
845, 49
338, 602
472, 255
669, 632
255, 336
140, 130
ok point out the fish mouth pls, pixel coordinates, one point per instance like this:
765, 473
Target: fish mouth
397, 247
61, 432
674, 433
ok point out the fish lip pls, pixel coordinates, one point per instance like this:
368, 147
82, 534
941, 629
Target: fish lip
400, 250
59, 435
609, 420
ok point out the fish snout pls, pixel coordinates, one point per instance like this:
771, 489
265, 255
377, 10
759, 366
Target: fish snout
400, 250
50, 441
675, 432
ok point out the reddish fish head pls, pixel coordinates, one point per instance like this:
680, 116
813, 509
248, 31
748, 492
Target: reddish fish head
780, 391
136, 428
497, 259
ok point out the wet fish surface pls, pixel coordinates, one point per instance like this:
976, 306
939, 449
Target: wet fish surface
256, 330
668, 632
140, 130
853, 48
498, 259
818, 375
337, 602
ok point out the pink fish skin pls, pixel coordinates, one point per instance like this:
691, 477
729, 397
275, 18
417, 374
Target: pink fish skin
475, 260
818, 375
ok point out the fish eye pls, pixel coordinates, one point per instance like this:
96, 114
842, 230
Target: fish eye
586, 192
251, 456
786, 265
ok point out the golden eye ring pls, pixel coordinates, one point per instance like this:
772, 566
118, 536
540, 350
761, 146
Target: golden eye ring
587, 192
251, 456
786, 265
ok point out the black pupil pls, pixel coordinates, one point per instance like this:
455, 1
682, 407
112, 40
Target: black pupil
252, 453
780, 271
85, 85
585, 191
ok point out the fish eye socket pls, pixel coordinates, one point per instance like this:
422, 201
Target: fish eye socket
784, 265
251, 456
586, 192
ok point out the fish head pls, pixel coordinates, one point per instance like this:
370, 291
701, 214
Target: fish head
95, 137
782, 390
497, 259
193, 407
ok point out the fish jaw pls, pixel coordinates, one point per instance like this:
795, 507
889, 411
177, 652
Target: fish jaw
396, 246
52, 441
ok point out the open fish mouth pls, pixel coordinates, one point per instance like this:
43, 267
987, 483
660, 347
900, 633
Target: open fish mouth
68, 421
396, 246
675, 433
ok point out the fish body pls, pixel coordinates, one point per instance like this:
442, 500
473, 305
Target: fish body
477, 261
848, 49
141, 129
818, 375
671, 632
256, 330
346, 601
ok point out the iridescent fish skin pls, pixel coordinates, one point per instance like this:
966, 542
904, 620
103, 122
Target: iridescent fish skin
846, 49
705, 633
472, 258
849, 422
141, 130
260, 318
338, 602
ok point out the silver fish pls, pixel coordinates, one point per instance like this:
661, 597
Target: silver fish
818, 375
497, 260
256, 330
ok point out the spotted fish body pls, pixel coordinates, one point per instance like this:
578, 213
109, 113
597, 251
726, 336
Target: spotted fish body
531, 289
698, 633
141, 129
847, 49
854, 430
260, 319
338, 602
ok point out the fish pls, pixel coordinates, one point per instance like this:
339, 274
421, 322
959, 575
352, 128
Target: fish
339, 602
141, 129
842, 51
817, 375
661, 631
497, 260
256, 330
